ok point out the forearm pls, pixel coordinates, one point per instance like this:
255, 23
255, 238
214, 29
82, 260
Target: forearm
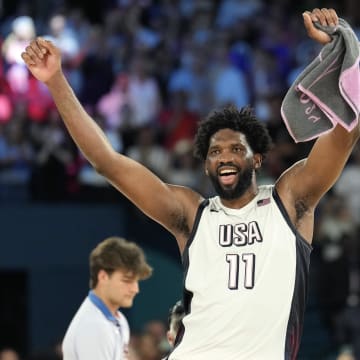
83, 129
327, 159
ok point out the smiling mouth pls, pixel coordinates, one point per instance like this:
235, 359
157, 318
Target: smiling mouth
227, 176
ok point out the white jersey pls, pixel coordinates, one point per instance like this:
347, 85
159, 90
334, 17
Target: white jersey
245, 290
92, 335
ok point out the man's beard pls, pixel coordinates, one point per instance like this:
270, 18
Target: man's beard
243, 184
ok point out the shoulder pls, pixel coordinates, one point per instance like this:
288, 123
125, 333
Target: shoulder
266, 189
88, 315
87, 336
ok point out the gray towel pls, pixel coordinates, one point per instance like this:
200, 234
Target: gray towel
327, 92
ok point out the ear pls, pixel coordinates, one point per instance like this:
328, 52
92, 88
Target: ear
257, 161
102, 275
206, 168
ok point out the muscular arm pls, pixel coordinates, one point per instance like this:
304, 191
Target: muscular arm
302, 186
172, 206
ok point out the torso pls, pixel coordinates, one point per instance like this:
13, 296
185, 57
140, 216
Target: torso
104, 339
245, 283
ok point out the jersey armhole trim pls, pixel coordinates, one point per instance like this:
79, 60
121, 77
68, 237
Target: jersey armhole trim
286, 216
199, 212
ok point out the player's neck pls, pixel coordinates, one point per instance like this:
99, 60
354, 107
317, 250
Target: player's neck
242, 200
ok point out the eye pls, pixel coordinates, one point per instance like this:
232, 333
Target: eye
127, 280
214, 152
239, 149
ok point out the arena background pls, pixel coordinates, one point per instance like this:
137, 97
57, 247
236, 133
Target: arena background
46, 235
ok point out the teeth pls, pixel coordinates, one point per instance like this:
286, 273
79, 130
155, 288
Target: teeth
227, 172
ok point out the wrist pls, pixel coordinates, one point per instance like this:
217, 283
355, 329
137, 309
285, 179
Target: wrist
55, 79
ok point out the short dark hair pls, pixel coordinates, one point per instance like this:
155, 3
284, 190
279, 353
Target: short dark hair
115, 253
242, 120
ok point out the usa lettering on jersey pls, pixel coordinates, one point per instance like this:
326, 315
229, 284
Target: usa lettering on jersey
241, 266
239, 234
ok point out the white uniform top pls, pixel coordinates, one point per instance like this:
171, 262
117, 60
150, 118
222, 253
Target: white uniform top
245, 283
94, 335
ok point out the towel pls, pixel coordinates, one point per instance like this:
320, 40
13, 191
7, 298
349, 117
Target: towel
327, 92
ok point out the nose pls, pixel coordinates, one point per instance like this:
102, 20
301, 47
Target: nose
226, 156
135, 287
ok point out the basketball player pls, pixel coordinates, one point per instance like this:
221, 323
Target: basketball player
99, 330
246, 251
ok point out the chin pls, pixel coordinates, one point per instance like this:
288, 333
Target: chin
229, 188
127, 304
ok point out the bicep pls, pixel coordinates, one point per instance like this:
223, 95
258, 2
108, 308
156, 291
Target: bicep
160, 201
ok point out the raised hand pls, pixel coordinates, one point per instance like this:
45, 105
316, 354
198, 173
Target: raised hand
42, 58
325, 17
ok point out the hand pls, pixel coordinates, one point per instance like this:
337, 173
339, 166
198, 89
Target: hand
326, 17
42, 58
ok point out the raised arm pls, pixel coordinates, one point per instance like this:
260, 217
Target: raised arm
309, 179
172, 206
302, 186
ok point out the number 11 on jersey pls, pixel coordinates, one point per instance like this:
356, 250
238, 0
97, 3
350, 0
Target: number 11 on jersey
237, 271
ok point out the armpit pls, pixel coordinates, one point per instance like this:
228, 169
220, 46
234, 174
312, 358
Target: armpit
301, 209
180, 224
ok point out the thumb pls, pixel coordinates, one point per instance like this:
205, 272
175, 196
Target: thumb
308, 23
312, 31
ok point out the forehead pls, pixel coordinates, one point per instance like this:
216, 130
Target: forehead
228, 135
125, 274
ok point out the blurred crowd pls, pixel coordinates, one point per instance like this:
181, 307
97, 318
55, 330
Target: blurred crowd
153, 342
148, 71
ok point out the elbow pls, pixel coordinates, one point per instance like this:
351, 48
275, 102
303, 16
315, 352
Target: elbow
98, 168
104, 164
101, 169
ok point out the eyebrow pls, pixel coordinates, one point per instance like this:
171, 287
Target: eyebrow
236, 143
129, 276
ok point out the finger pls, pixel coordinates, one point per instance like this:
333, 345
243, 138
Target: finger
34, 50
320, 16
48, 45
334, 17
27, 59
316, 15
328, 17
32, 47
